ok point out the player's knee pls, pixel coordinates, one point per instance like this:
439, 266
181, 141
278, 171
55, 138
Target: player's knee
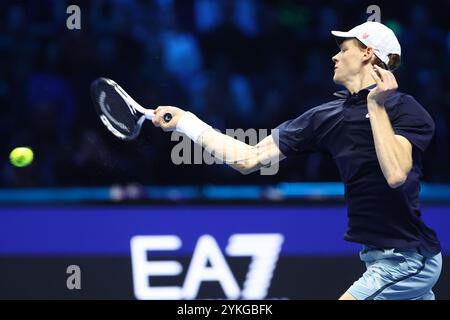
347, 296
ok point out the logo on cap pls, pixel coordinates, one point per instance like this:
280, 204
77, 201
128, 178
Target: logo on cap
365, 35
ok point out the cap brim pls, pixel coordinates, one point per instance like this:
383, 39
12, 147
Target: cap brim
342, 34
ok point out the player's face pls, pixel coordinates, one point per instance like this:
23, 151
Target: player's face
347, 62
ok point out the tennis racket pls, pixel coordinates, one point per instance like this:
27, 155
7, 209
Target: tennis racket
120, 113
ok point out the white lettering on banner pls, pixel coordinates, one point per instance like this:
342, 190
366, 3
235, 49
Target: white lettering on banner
143, 269
263, 248
206, 250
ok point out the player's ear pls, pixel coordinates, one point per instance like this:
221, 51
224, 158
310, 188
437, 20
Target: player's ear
369, 54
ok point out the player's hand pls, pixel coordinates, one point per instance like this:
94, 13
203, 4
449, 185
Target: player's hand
386, 85
158, 120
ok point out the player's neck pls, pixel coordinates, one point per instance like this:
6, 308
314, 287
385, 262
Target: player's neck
359, 82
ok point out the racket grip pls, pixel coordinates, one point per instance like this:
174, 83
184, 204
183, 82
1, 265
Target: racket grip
167, 117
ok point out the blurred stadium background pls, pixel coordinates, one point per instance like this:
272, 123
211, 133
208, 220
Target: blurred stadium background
235, 63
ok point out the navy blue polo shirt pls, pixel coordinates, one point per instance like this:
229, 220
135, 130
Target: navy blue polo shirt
378, 215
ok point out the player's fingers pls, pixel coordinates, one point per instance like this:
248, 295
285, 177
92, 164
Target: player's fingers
378, 71
389, 83
163, 124
393, 81
376, 77
165, 127
387, 76
159, 115
161, 110
383, 74
157, 120
167, 110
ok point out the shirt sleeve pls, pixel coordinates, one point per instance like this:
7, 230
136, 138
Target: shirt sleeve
296, 136
413, 122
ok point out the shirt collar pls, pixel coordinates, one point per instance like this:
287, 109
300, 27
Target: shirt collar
346, 94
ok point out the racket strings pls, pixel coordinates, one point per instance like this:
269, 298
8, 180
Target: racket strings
114, 110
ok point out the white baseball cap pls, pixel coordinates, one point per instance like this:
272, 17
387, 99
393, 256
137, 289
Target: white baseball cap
375, 35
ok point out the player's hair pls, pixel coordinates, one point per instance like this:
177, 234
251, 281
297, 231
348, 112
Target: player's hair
394, 59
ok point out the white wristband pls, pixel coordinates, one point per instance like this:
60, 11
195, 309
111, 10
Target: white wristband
191, 125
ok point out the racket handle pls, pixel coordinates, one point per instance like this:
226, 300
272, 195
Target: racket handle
167, 117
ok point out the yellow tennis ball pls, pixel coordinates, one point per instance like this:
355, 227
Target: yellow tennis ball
21, 156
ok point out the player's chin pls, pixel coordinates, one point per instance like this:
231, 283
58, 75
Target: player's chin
337, 79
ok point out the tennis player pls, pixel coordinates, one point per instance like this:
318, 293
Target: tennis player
377, 136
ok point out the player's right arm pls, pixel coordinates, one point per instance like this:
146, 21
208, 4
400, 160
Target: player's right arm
235, 153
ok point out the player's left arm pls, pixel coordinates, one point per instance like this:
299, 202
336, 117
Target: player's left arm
394, 152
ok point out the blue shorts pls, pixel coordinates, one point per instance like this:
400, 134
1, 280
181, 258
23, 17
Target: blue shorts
397, 274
